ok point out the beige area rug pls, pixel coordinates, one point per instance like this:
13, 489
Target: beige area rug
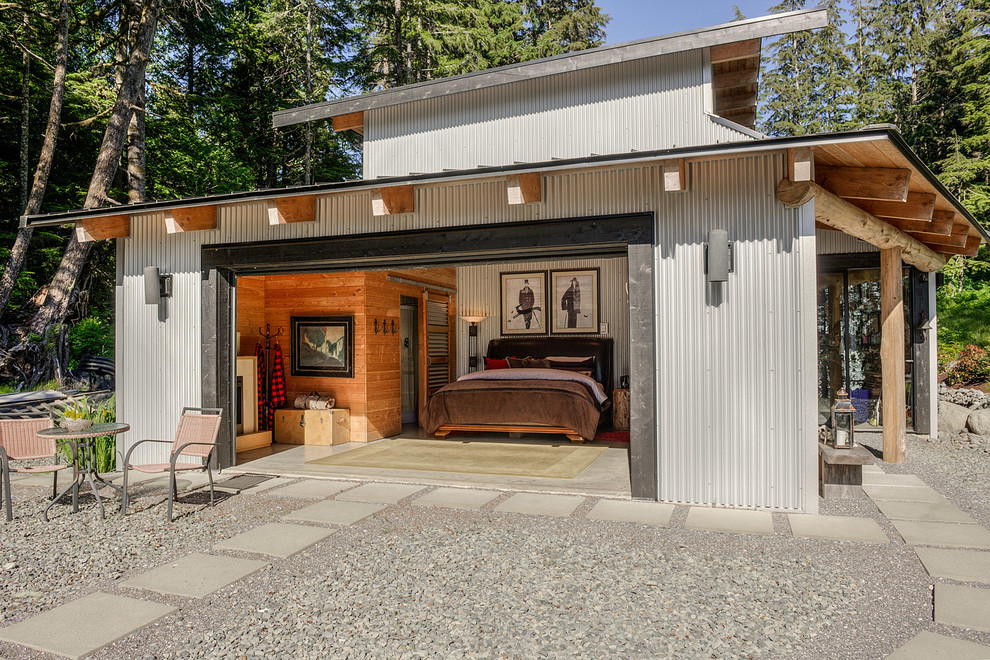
510, 459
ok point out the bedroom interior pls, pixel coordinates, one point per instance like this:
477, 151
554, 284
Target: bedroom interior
469, 313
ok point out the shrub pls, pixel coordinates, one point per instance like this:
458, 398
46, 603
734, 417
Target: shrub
972, 367
91, 336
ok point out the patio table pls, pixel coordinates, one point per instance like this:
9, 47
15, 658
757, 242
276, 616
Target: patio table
84, 460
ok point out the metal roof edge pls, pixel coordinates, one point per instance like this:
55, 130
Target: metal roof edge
752, 28
254, 196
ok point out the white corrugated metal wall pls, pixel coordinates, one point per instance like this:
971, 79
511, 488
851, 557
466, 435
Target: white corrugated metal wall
729, 365
835, 242
478, 294
653, 103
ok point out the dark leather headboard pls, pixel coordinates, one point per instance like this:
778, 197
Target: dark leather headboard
541, 347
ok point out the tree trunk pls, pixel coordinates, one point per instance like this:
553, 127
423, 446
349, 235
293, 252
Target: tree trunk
308, 158
136, 153
25, 111
18, 253
56, 304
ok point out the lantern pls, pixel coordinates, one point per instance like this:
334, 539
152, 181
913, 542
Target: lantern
843, 421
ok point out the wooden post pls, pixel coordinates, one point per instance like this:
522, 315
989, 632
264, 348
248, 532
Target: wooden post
892, 354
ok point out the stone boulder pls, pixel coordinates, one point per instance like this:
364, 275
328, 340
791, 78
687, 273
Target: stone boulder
952, 418
979, 422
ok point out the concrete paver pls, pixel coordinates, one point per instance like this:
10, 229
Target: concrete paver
540, 504
729, 520
195, 575
884, 479
335, 512
836, 528
83, 626
926, 511
963, 607
873, 469
380, 493
277, 539
936, 533
962, 565
646, 513
929, 646
266, 486
457, 498
904, 493
313, 489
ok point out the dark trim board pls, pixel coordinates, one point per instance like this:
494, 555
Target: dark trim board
630, 235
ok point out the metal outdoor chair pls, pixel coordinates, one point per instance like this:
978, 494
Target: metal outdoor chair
18, 442
196, 437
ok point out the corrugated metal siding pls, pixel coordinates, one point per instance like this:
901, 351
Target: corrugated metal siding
654, 103
478, 294
728, 369
836, 242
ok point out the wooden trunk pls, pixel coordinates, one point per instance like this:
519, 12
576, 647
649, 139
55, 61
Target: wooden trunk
620, 409
313, 427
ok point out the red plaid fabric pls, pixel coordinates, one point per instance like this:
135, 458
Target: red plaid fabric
278, 384
259, 352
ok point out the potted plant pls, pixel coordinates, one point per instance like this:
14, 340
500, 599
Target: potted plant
76, 416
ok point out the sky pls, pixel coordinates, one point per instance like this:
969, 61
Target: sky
638, 19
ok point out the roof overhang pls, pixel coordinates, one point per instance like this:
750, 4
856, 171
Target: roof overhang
742, 33
920, 197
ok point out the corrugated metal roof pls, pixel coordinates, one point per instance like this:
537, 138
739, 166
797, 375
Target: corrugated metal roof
754, 28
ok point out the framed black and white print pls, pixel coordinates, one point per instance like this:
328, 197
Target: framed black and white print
523, 303
574, 300
322, 346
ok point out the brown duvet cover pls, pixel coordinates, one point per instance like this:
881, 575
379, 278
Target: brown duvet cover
515, 402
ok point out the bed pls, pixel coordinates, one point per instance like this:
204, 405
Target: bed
529, 400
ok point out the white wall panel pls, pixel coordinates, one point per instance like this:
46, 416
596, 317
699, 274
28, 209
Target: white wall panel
729, 361
654, 103
478, 291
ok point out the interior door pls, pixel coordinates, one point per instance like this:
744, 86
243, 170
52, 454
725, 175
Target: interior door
436, 335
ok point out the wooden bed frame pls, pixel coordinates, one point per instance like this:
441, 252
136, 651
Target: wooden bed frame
541, 347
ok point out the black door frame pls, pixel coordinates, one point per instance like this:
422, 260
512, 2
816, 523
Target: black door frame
629, 235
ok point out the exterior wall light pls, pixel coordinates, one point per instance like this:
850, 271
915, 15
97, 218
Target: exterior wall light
156, 286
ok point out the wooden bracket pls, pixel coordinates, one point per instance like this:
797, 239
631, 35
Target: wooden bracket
801, 164
675, 175
917, 206
285, 210
353, 121
970, 249
524, 188
98, 229
191, 218
941, 223
393, 200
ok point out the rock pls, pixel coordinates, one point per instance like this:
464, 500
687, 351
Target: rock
952, 417
979, 422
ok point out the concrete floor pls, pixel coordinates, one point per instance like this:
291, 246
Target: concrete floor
608, 475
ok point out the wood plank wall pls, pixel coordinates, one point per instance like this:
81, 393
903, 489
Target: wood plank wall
373, 394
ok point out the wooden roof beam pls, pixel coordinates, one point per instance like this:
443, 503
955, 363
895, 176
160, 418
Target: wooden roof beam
287, 210
352, 121
98, 229
524, 188
736, 50
918, 206
941, 223
675, 175
393, 200
877, 183
969, 250
729, 79
191, 218
735, 102
832, 210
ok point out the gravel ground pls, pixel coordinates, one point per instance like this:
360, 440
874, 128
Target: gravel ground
421, 582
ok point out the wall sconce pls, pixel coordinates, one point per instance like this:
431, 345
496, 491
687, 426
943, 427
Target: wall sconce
156, 286
473, 340
719, 257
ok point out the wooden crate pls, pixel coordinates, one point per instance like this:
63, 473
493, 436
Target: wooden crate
313, 427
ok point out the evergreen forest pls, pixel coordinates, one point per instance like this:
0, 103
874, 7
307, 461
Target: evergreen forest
105, 102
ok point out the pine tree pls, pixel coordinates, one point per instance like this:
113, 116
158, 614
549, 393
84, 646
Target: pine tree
787, 87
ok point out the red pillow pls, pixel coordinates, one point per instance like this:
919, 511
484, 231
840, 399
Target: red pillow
495, 364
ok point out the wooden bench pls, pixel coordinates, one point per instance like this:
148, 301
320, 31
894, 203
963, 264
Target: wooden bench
840, 471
